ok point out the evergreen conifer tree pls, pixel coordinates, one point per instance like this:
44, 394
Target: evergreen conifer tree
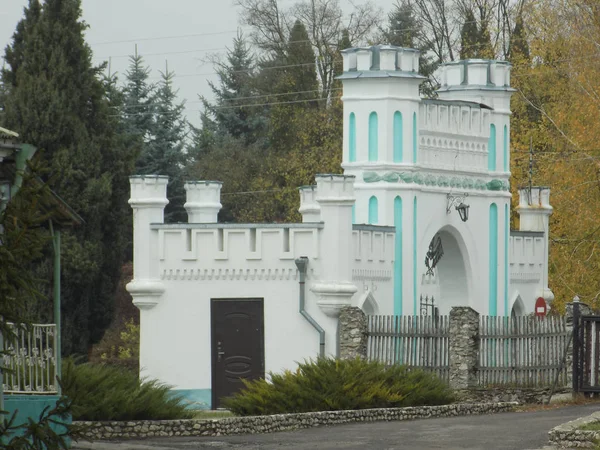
235, 90
166, 154
519, 47
57, 102
469, 37
300, 71
138, 106
405, 30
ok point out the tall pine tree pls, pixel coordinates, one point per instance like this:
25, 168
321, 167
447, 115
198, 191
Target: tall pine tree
166, 154
57, 101
469, 37
236, 89
301, 73
405, 30
138, 106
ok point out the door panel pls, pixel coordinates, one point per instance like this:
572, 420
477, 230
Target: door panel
237, 345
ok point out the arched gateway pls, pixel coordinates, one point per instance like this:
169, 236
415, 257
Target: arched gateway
436, 178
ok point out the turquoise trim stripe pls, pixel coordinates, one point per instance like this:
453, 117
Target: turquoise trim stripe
506, 267
415, 137
398, 136
415, 256
352, 138
354, 213
493, 263
373, 136
398, 257
492, 148
194, 399
505, 148
373, 210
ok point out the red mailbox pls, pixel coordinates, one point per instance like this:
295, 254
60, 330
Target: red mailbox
540, 307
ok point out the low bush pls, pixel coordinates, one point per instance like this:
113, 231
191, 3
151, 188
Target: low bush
332, 385
102, 392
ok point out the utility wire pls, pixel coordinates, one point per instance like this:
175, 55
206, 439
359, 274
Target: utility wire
251, 97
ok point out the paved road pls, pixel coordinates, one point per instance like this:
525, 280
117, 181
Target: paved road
505, 431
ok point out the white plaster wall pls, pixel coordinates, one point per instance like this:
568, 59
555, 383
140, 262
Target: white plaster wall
527, 269
198, 263
373, 267
176, 334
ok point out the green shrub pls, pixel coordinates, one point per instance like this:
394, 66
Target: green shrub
331, 385
103, 392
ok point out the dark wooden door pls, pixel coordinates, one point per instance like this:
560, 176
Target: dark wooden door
237, 345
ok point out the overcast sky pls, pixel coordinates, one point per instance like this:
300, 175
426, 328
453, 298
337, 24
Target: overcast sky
184, 32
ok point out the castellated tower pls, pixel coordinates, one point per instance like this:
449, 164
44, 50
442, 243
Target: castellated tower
486, 82
415, 160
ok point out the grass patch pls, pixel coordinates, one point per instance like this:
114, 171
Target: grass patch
333, 385
592, 426
101, 392
212, 414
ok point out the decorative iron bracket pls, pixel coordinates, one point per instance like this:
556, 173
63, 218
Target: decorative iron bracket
454, 200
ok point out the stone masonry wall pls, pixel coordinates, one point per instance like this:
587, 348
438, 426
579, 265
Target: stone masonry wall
528, 396
279, 422
569, 435
352, 333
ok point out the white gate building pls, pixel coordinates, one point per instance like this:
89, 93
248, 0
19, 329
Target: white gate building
422, 210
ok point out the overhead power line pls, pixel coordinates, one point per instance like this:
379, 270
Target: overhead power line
164, 38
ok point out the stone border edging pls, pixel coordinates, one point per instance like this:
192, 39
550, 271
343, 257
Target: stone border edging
568, 435
279, 422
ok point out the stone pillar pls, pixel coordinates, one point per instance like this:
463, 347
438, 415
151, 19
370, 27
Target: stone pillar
148, 200
203, 201
583, 310
463, 349
352, 329
309, 207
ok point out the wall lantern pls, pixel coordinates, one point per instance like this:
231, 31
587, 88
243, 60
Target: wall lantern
459, 204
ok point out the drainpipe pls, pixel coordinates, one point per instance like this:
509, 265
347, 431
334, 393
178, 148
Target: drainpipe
302, 265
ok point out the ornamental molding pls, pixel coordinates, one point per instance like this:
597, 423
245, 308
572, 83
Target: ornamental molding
525, 277
371, 274
432, 179
276, 274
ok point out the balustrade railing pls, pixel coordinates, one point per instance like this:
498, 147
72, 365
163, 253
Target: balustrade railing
29, 360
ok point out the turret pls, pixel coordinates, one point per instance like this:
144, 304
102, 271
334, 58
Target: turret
381, 105
148, 200
309, 207
335, 196
486, 82
203, 201
534, 213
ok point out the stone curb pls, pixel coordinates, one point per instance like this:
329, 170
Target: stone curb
280, 422
568, 435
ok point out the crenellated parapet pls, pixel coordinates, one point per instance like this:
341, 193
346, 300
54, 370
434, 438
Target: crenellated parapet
388, 60
475, 73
